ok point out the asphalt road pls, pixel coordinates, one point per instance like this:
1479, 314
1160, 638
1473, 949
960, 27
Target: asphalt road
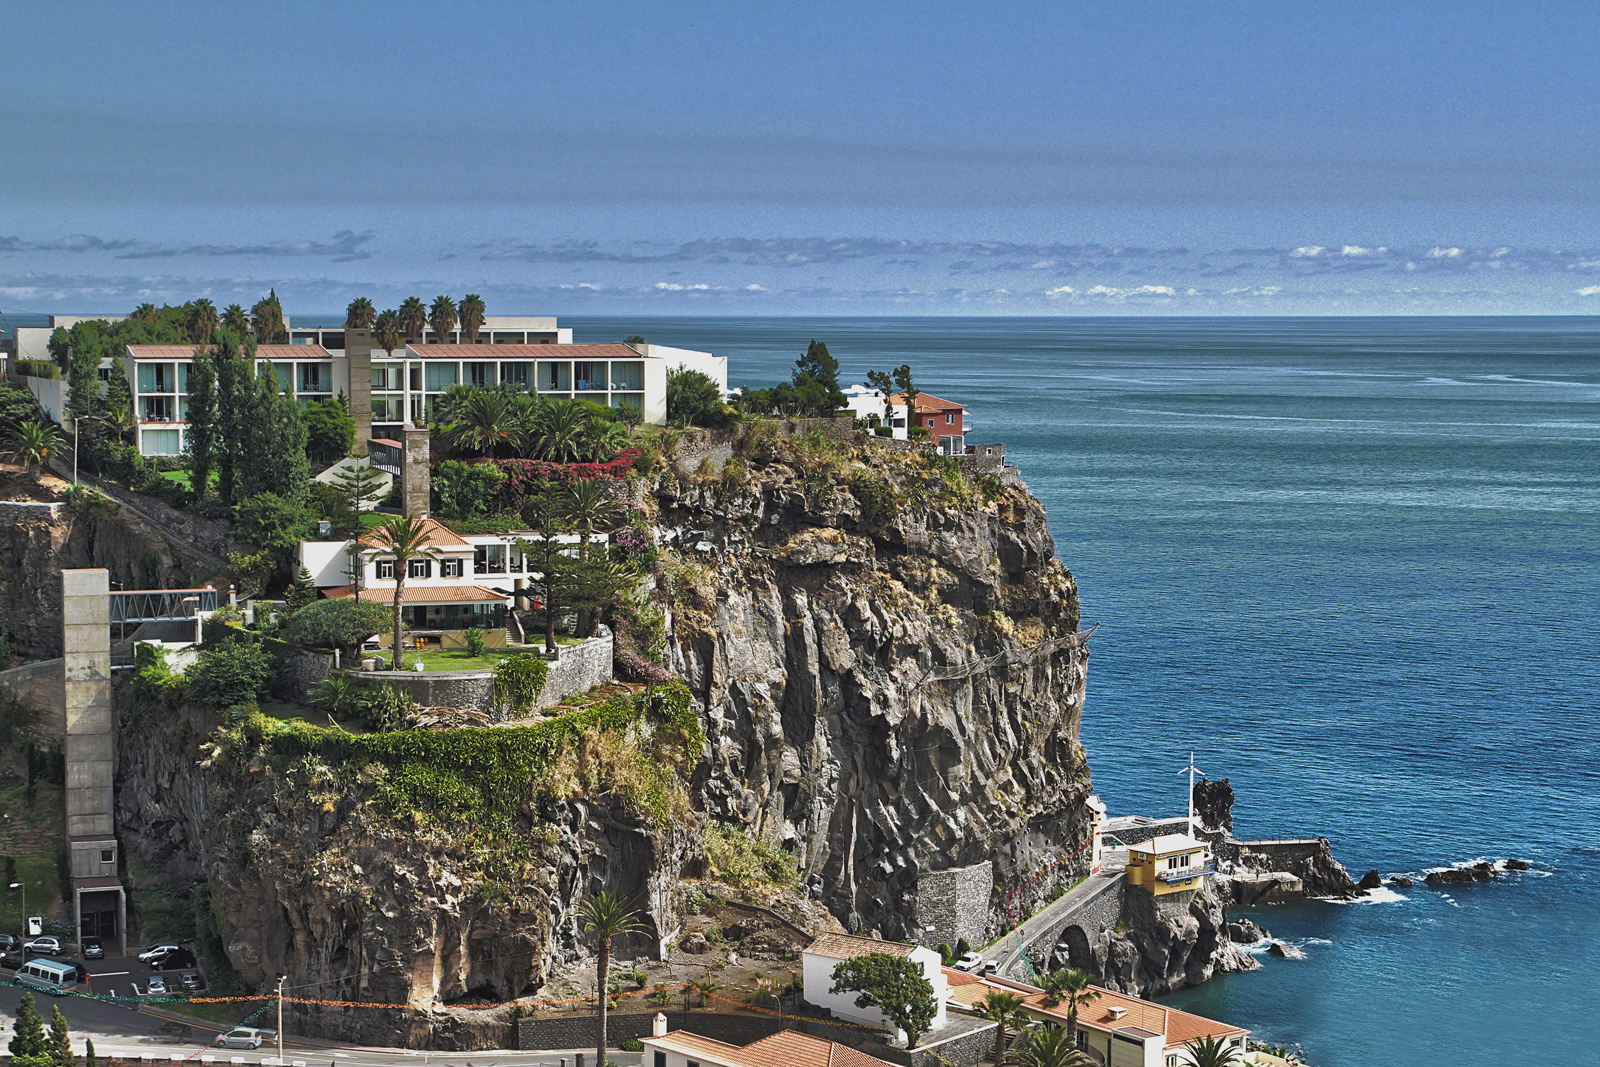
1007, 952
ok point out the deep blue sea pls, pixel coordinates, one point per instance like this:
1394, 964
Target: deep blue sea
1354, 564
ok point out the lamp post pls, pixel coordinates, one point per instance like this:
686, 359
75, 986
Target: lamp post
281, 979
24, 887
76, 419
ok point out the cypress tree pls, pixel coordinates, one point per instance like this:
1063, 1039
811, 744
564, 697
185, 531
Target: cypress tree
29, 1027
233, 384
60, 1050
88, 1052
201, 440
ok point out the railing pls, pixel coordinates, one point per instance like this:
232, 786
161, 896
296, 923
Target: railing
1183, 874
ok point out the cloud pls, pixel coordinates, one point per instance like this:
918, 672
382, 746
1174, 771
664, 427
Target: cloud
1308, 252
1443, 253
77, 242
1060, 290
1115, 293
345, 247
1356, 251
1589, 290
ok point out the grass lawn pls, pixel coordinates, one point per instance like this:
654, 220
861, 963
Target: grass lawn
182, 478
279, 710
459, 659
38, 872
371, 520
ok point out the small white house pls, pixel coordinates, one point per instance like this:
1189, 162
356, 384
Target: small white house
865, 402
829, 950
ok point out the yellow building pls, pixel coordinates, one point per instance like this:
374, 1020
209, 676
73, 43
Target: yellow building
1171, 863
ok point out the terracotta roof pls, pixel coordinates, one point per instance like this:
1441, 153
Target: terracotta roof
491, 352
426, 594
439, 536
956, 978
927, 402
786, 1048
1179, 1027
848, 947
270, 352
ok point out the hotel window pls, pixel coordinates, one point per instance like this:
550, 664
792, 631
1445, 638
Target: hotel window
386, 568
441, 376
480, 374
627, 374
161, 442
554, 375
450, 568
950, 419
515, 374
420, 568
316, 378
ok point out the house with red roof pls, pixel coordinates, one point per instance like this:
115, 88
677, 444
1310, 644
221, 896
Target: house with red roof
829, 950
1121, 1030
786, 1048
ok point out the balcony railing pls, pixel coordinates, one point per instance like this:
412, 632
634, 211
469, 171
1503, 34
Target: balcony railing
1183, 874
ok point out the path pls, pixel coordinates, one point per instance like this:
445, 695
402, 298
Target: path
1038, 933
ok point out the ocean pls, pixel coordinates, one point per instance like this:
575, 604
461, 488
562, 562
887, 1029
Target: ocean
1354, 566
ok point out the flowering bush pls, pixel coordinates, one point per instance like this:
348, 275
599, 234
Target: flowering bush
523, 478
633, 540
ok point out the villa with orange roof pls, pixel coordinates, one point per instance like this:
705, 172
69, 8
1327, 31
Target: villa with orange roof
1121, 1030
786, 1048
829, 950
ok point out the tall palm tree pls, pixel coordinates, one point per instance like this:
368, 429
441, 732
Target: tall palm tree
120, 420
442, 317
1212, 1052
359, 314
606, 915
472, 314
413, 317
202, 320
558, 430
266, 319
1046, 1046
1071, 985
1006, 1010
236, 320
389, 331
402, 540
33, 443
146, 313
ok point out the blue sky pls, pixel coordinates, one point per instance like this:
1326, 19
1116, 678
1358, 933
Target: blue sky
816, 158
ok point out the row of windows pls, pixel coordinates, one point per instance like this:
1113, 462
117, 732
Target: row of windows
423, 568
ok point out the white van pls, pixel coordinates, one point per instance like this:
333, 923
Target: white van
245, 1037
52, 977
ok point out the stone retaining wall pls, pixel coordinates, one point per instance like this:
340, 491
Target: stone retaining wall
1096, 915
954, 904
578, 669
18, 511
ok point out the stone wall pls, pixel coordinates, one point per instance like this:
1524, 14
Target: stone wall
28, 511
954, 904
302, 670
1073, 934
579, 668
963, 1050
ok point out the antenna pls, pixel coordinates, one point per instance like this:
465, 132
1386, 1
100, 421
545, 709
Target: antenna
1191, 771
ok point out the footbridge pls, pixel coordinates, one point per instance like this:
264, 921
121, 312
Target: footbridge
161, 605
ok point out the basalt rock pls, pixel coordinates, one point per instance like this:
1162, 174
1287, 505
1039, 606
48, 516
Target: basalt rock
1213, 805
1245, 932
1478, 872
1516, 865
1370, 881
1400, 881
1168, 943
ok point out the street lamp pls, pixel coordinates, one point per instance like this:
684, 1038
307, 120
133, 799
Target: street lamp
282, 978
24, 887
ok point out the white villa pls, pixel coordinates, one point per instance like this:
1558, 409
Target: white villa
829, 950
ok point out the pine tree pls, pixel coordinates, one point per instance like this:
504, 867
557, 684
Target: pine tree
360, 486
88, 1052
200, 442
60, 1050
30, 1030
233, 390
304, 590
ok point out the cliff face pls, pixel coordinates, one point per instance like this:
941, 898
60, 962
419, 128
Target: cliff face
889, 691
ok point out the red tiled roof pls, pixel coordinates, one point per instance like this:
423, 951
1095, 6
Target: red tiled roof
270, 352
1179, 1027
439, 536
426, 594
849, 947
927, 402
482, 352
786, 1048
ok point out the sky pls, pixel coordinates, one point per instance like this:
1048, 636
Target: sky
804, 158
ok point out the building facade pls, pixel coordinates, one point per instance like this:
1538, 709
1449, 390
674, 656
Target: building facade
1171, 863
828, 951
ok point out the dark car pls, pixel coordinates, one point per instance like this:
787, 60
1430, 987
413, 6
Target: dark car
176, 960
13, 961
10, 942
93, 949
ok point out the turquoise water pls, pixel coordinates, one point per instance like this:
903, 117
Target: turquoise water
1353, 564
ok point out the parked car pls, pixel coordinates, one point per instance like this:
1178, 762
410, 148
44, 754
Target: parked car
93, 949
13, 961
985, 968
10, 942
969, 962
244, 1037
44, 946
189, 981
156, 953
176, 960
157, 986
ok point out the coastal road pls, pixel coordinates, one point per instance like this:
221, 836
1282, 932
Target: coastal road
1007, 952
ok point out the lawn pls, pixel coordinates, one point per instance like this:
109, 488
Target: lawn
182, 478
459, 659
278, 710
38, 872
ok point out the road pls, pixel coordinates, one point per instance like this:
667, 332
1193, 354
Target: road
1007, 952
128, 1029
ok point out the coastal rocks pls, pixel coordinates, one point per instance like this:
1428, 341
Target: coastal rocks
1285, 951
1516, 865
1478, 872
1245, 932
1213, 805
1400, 881
1370, 881
1168, 943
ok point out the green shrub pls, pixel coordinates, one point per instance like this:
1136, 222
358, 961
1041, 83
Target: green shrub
877, 499
631, 1044
518, 683
739, 858
474, 638
343, 623
235, 672
386, 707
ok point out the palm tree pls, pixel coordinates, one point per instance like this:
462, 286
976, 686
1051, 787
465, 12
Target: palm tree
1006, 1010
602, 439
448, 405
266, 319
120, 420
413, 317
1212, 1052
389, 331
471, 316
33, 443
146, 313
483, 422
606, 915
202, 320
236, 320
1071, 985
558, 431
705, 987
1046, 1046
402, 540
442, 317
359, 314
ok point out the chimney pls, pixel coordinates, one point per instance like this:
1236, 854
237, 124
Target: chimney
1116, 1013
658, 1025
414, 478
358, 364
